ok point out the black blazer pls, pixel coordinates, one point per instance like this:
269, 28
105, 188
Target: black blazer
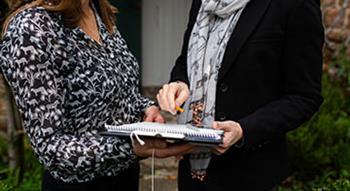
269, 82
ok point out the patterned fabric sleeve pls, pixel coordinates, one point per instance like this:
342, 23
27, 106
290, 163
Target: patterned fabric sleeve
142, 103
30, 55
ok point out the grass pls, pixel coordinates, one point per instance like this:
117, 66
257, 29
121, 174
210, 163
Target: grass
9, 179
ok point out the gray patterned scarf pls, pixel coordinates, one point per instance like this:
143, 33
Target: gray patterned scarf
215, 23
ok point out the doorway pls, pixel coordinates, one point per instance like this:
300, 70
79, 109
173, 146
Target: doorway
129, 23
163, 26
154, 31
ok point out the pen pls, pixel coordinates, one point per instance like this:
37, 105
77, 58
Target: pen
179, 109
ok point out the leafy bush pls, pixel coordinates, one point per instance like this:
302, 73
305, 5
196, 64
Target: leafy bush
323, 144
320, 149
340, 68
319, 184
338, 185
9, 179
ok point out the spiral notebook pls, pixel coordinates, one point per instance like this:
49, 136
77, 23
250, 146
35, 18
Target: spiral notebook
187, 133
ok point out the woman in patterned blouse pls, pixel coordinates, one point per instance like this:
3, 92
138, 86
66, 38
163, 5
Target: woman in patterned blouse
71, 72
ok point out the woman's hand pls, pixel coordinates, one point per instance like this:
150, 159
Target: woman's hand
152, 114
160, 148
171, 95
233, 133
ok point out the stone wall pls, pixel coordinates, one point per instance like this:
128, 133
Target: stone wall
336, 16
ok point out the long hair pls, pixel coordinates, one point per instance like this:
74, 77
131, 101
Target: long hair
70, 9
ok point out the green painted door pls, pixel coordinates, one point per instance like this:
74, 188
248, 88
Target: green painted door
129, 23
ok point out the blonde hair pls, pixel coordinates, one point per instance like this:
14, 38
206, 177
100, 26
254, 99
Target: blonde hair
70, 9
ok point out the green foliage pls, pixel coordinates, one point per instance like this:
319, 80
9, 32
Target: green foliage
338, 185
9, 179
31, 181
3, 154
319, 184
320, 149
4, 186
340, 68
322, 144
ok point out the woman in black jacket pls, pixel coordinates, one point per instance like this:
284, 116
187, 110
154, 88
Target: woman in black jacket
253, 69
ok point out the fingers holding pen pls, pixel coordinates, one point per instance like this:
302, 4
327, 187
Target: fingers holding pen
162, 98
182, 95
173, 95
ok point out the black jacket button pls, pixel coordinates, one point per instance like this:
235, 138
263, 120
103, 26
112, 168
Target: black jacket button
222, 116
223, 87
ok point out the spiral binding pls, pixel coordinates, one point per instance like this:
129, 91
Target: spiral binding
167, 128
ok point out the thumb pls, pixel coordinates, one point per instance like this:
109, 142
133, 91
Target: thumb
215, 125
225, 126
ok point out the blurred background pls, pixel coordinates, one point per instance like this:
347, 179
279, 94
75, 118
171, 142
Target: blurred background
320, 149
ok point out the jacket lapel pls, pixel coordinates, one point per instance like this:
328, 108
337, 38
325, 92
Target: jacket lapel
249, 19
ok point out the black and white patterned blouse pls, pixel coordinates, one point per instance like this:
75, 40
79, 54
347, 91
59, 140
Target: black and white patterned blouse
67, 86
